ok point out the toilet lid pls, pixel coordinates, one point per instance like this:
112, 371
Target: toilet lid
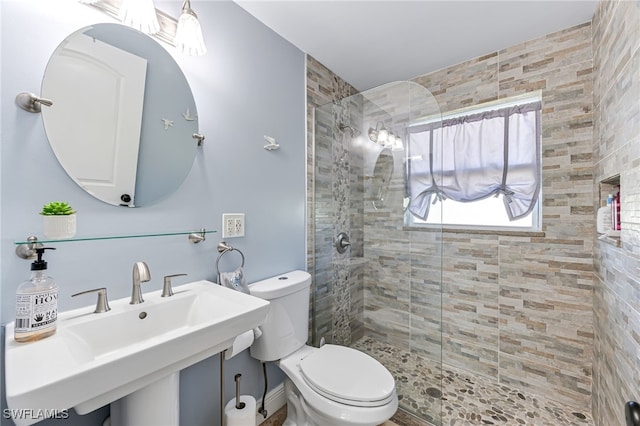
347, 376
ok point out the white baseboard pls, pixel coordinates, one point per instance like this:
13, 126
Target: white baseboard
275, 400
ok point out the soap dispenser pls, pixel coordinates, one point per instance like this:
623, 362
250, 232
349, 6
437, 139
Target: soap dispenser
603, 216
36, 303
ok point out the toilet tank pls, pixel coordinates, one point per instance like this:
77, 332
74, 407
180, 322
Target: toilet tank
286, 327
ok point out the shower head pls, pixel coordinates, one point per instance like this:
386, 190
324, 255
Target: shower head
343, 127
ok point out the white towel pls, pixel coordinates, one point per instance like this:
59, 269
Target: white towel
235, 280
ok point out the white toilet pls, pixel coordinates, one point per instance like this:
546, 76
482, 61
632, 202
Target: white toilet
330, 385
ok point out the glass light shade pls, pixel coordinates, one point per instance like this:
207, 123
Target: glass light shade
373, 135
391, 140
383, 134
140, 14
189, 38
398, 145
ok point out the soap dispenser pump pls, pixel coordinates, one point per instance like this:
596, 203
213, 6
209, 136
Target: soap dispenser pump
36, 303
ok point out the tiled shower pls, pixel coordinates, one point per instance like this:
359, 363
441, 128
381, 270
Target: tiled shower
526, 311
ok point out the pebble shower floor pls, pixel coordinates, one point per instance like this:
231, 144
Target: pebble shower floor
465, 399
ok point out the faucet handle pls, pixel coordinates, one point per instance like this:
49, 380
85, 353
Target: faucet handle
102, 305
166, 289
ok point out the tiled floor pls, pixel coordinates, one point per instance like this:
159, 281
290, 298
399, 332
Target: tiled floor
279, 417
464, 400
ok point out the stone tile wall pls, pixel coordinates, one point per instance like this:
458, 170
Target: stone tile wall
517, 308
514, 307
334, 200
616, 150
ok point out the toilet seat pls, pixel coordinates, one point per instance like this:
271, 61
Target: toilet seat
347, 376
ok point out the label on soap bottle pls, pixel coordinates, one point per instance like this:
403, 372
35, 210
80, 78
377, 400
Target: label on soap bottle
36, 311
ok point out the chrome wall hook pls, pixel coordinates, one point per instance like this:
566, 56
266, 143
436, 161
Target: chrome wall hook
30, 102
199, 138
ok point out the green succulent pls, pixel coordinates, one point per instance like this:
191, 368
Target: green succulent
56, 208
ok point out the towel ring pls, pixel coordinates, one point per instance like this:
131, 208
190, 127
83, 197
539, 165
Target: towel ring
222, 249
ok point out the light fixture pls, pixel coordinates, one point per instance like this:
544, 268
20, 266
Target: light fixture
383, 136
391, 140
189, 38
185, 33
397, 146
373, 134
380, 134
139, 14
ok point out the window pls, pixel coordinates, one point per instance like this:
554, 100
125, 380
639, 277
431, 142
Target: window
479, 169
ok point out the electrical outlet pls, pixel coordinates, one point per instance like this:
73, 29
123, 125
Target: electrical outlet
232, 225
239, 226
227, 226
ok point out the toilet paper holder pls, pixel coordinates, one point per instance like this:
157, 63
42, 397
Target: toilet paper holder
239, 405
241, 410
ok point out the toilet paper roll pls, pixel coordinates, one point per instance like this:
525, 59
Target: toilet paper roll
240, 416
240, 343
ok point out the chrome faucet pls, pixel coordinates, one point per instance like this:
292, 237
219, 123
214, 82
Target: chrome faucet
140, 275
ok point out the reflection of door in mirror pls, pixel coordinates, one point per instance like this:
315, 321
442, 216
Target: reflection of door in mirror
100, 109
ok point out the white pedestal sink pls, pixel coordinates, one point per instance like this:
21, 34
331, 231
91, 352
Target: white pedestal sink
164, 398
96, 359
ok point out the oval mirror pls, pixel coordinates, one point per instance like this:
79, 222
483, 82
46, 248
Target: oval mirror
123, 115
382, 173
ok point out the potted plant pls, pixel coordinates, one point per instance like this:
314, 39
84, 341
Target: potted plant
59, 220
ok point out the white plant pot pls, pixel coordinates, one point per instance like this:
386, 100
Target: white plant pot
59, 227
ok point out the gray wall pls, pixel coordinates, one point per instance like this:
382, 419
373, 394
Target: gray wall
250, 84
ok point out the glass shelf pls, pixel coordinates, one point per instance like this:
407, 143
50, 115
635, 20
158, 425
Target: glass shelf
200, 232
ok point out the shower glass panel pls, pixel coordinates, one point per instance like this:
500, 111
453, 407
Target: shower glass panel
383, 294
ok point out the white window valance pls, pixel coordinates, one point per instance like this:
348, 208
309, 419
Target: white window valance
476, 156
